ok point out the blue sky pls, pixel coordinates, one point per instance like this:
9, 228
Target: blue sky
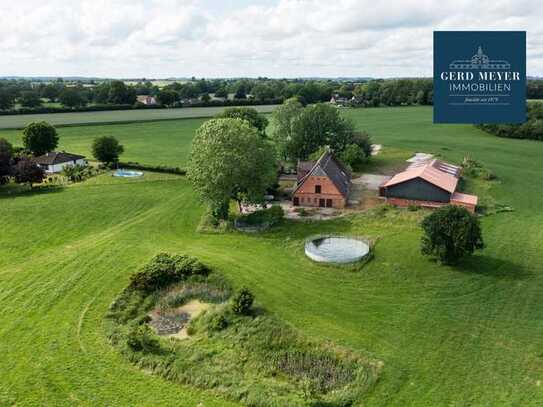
282, 38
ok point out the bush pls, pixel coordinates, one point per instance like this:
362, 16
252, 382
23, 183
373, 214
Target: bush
450, 233
141, 339
165, 269
270, 216
242, 302
475, 169
217, 322
154, 168
413, 208
77, 173
28, 172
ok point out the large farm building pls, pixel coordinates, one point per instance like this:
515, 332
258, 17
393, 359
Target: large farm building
428, 184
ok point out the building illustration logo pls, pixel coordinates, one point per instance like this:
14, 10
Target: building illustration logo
479, 77
480, 61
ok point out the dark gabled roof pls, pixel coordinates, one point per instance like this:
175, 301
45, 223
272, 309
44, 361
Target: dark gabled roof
57, 157
328, 166
303, 168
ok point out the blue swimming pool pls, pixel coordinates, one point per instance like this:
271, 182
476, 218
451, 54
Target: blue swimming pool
127, 173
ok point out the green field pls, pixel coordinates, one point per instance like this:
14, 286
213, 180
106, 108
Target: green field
465, 336
114, 116
164, 142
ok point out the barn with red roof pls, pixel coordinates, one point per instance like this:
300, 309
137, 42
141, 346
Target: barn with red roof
431, 184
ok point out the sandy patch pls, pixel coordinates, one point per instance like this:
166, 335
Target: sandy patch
192, 309
370, 181
186, 312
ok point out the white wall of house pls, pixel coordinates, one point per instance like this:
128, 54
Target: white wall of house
59, 167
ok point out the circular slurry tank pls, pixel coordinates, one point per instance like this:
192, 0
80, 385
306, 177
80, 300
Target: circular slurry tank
336, 249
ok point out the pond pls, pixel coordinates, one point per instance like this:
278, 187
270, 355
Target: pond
335, 249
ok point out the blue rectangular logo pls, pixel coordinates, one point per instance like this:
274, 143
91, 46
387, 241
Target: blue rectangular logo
479, 77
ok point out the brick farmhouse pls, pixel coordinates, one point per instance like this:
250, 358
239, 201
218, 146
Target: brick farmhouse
322, 183
428, 184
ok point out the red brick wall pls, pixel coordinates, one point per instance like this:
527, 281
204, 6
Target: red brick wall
307, 196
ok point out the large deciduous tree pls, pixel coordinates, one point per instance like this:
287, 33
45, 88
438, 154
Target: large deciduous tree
249, 114
30, 98
28, 172
450, 233
119, 93
72, 97
283, 118
107, 149
6, 160
318, 125
167, 97
7, 99
40, 138
229, 160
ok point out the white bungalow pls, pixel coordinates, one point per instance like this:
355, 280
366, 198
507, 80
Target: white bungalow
55, 161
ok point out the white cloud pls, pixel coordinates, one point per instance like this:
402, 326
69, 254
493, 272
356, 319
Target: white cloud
158, 38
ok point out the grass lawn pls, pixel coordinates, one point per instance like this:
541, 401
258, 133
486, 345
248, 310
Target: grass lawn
461, 336
114, 116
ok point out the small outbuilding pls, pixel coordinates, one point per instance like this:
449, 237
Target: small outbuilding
428, 184
55, 161
323, 183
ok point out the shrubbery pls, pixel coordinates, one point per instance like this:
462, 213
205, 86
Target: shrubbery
78, 173
242, 301
531, 129
165, 269
154, 168
269, 216
475, 169
141, 338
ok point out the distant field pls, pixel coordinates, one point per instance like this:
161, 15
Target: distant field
58, 119
162, 142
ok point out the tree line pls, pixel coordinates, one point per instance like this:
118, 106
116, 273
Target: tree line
59, 95
531, 129
28, 96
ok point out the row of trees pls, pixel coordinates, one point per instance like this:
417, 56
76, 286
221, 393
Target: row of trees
531, 129
29, 95
77, 94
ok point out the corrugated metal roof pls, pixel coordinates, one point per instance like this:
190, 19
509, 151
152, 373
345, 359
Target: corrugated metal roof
434, 172
464, 198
